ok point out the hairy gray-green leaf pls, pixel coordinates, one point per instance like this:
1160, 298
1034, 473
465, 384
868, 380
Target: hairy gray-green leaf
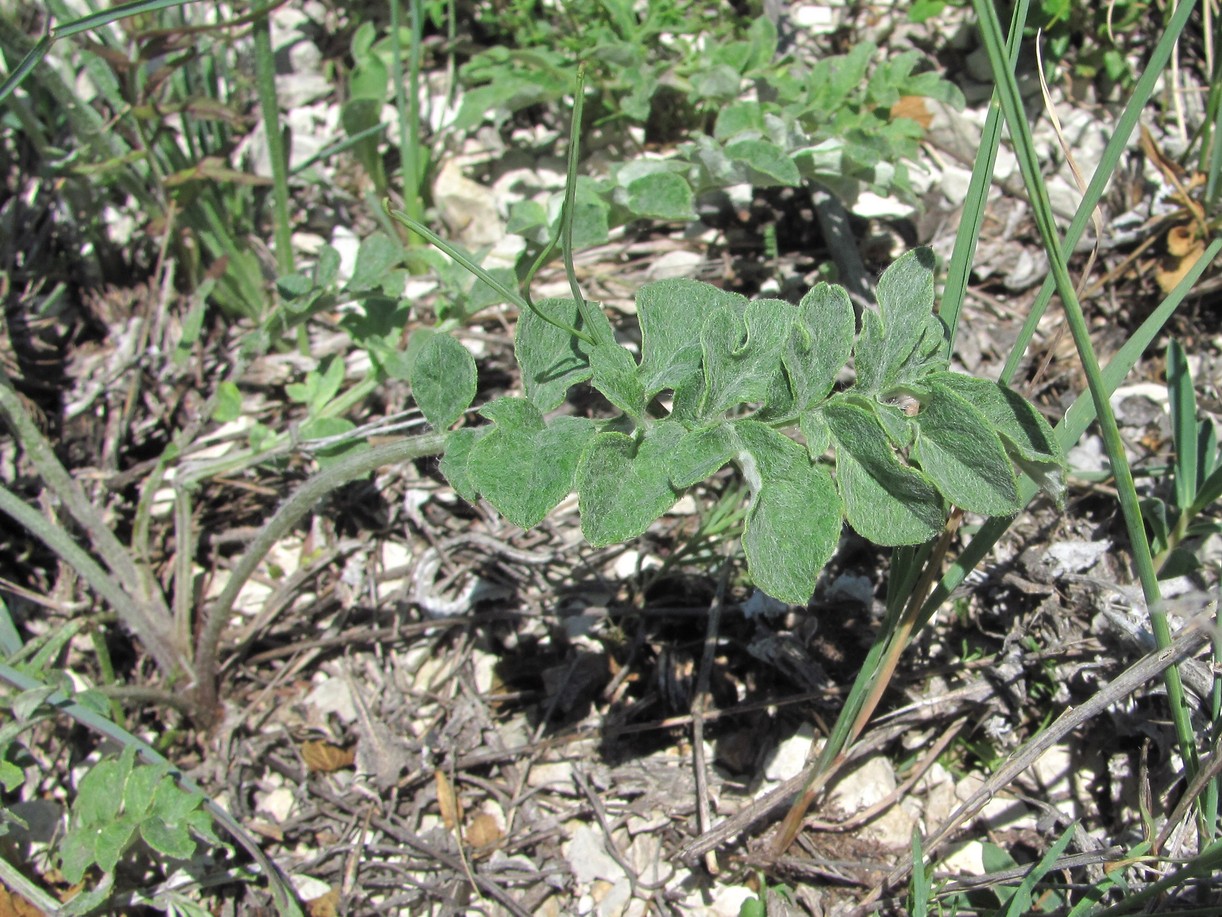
661, 196
454, 462
443, 380
957, 448
624, 485
525, 467
376, 257
669, 311
551, 359
793, 522
764, 164
742, 353
885, 500
1026, 435
815, 431
820, 344
700, 453
616, 376
111, 840
903, 340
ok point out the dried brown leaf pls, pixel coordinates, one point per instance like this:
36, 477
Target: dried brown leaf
483, 830
447, 801
325, 905
323, 757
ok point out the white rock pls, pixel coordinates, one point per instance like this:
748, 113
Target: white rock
467, 207
871, 206
999, 813
333, 696
816, 19
553, 774
790, 756
727, 901
967, 860
308, 887
614, 899
277, 804
344, 241
587, 855
679, 263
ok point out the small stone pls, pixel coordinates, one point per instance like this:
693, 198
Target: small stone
791, 755
277, 804
587, 856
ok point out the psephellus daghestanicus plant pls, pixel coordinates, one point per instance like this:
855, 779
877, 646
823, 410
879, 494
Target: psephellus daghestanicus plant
726, 380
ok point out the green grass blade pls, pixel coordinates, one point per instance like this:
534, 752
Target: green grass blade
959, 268
920, 879
26, 66
1125, 124
1183, 403
269, 106
1143, 561
1020, 901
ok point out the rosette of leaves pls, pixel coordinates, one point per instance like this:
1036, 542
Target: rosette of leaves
724, 380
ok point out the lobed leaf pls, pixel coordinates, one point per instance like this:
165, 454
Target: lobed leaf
662, 196
820, 344
793, 522
551, 359
958, 449
615, 375
903, 340
454, 460
1025, 433
764, 164
523, 467
171, 839
700, 453
885, 500
669, 311
743, 352
111, 841
623, 484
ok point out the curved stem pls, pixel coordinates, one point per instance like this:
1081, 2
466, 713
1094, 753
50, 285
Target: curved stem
288, 515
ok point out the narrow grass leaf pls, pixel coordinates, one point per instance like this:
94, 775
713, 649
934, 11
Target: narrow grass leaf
1183, 404
1021, 902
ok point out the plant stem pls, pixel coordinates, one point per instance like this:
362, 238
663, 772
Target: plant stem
288, 515
1126, 492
